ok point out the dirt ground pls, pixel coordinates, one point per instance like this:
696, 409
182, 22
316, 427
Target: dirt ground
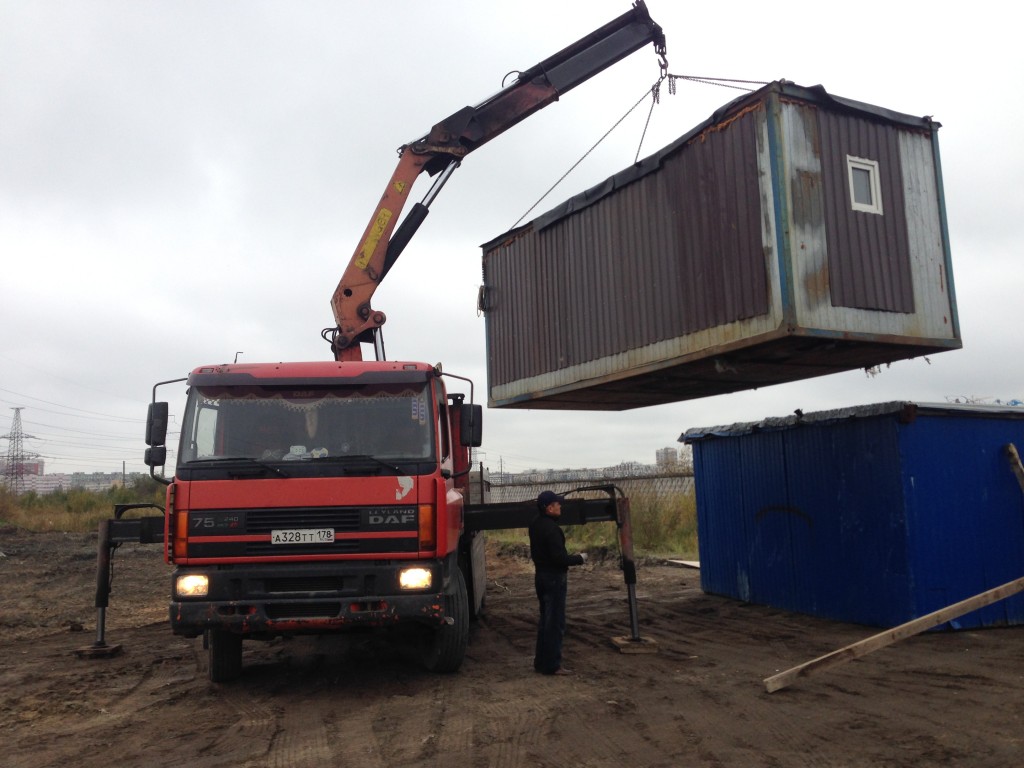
937, 699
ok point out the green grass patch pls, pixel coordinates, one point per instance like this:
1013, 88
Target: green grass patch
76, 510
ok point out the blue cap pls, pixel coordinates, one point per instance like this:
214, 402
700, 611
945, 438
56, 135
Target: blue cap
548, 497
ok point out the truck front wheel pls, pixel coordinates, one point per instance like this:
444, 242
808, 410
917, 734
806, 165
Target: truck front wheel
447, 647
224, 653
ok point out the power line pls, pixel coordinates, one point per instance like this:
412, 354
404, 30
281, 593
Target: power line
90, 432
92, 414
65, 448
64, 445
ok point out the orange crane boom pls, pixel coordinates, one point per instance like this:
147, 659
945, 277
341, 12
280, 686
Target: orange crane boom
441, 151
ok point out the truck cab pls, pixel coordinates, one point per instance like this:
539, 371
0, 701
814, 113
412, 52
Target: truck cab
320, 497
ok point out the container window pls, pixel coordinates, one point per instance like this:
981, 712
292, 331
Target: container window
865, 190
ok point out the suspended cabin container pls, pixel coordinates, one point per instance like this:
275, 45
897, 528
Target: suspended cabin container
874, 514
793, 234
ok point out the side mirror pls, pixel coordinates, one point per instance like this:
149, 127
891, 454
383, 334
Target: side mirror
156, 456
156, 425
471, 425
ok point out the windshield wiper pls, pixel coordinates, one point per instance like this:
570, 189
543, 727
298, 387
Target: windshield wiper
355, 457
246, 459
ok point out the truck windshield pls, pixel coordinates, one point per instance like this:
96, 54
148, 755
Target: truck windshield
270, 424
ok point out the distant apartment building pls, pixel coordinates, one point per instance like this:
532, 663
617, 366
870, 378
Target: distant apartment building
60, 481
33, 479
666, 457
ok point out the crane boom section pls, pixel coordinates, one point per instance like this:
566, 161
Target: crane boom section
450, 140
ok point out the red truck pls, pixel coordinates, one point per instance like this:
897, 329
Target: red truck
331, 496
319, 497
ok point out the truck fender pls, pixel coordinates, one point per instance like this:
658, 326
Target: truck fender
472, 560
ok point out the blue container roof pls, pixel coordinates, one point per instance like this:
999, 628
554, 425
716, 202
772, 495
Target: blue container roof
904, 410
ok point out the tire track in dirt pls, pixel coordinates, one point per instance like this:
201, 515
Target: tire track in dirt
560, 723
619, 722
451, 728
288, 701
245, 721
399, 726
711, 682
164, 679
679, 727
303, 738
250, 729
95, 700
431, 719
510, 733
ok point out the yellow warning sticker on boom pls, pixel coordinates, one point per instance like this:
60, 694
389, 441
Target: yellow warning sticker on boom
376, 231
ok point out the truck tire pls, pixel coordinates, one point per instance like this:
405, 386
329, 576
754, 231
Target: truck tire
447, 647
224, 651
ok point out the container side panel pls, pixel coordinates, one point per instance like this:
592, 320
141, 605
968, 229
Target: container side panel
723, 531
869, 259
779, 535
966, 514
873, 518
808, 519
934, 293
807, 245
845, 481
934, 315
676, 252
715, 204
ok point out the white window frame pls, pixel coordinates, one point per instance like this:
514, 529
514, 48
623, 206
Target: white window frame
874, 180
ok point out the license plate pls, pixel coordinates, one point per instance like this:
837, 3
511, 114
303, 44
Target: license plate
302, 536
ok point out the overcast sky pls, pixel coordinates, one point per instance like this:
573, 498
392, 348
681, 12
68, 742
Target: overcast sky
184, 181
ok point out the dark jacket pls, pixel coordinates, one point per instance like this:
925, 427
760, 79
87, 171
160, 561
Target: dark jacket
547, 546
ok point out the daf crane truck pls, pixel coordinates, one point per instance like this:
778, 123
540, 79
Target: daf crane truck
330, 496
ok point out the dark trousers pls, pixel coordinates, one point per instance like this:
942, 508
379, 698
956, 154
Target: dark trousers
551, 591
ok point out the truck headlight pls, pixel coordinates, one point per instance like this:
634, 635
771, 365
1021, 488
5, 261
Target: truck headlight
415, 578
192, 585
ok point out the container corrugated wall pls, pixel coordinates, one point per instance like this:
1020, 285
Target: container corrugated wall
873, 515
965, 511
725, 262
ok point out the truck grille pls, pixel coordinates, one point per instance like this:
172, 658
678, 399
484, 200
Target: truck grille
227, 533
266, 520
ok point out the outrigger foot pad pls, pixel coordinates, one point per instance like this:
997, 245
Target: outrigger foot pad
98, 651
637, 645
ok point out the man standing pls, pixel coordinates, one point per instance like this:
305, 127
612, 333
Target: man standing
551, 562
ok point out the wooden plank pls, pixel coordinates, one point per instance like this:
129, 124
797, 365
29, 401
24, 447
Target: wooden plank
1015, 465
685, 563
890, 636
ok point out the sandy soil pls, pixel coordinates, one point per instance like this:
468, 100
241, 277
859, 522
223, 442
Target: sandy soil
937, 699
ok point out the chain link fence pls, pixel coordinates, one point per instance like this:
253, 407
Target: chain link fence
660, 486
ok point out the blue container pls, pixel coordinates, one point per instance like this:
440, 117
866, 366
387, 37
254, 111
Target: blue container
873, 514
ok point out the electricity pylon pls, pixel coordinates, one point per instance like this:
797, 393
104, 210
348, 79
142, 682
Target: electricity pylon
14, 467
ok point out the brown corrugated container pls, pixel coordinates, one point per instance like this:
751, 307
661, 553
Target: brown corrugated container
791, 235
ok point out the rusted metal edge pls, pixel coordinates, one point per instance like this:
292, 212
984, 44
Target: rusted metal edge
1015, 464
